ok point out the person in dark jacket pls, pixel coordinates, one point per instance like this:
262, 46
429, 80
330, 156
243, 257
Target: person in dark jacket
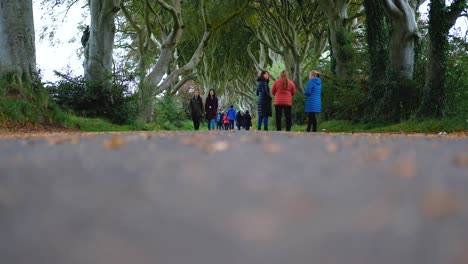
219, 120
264, 100
247, 120
239, 120
313, 103
196, 109
211, 106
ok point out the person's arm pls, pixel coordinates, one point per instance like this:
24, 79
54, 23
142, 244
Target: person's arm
293, 90
308, 90
273, 89
191, 107
201, 106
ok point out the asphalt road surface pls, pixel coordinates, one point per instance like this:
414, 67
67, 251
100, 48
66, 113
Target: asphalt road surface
234, 198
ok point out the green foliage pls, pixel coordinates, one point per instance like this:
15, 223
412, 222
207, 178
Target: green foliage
434, 92
378, 40
298, 109
448, 124
17, 110
113, 102
275, 70
21, 102
392, 100
457, 79
101, 125
342, 98
169, 113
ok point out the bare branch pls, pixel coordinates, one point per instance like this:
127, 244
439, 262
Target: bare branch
456, 10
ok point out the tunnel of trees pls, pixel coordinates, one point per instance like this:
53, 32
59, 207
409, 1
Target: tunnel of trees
380, 60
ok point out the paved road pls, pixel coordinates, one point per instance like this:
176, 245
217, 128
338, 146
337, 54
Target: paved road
233, 198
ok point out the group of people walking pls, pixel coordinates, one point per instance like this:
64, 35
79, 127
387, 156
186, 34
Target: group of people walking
217, 119
283, 90
225, 121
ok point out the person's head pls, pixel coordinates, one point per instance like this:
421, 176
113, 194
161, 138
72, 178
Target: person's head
196, 93
264, 75
314, 74
212, 93
247, 112
231, 106
285, 77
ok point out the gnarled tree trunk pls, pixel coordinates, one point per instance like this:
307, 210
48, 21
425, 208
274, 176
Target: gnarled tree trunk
17, 46
441, 19
340, 29
99, 48
404, 34
378, 40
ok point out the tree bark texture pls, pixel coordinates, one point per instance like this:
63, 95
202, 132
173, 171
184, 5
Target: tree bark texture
441, 19
339, 34
17, 41
378, 40
99, 48
378, 36
404, 34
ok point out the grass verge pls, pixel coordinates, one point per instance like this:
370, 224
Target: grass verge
447, 124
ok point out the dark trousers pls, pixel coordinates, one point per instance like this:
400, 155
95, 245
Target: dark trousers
196, 122
287, 113
231, 124
312, 121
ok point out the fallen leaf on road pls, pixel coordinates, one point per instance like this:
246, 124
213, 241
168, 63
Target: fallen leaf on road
63, 140
272, 148
331, 147
379, 154
114, 143
461, 160
218, 146
253, 224
404, 168
440, 204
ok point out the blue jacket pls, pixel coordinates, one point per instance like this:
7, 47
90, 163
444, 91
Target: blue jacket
313, 92
231, 114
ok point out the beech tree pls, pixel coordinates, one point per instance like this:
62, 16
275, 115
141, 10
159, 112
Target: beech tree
441, 19
341, 25
17, 42
403, 37
100, 45
287, 28
166, 72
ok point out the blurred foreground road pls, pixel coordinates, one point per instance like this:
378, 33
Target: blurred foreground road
233, 198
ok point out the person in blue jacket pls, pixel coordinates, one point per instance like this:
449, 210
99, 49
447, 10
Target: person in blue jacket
313, 105
231, 114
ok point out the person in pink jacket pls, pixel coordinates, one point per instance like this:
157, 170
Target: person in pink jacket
283, 89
